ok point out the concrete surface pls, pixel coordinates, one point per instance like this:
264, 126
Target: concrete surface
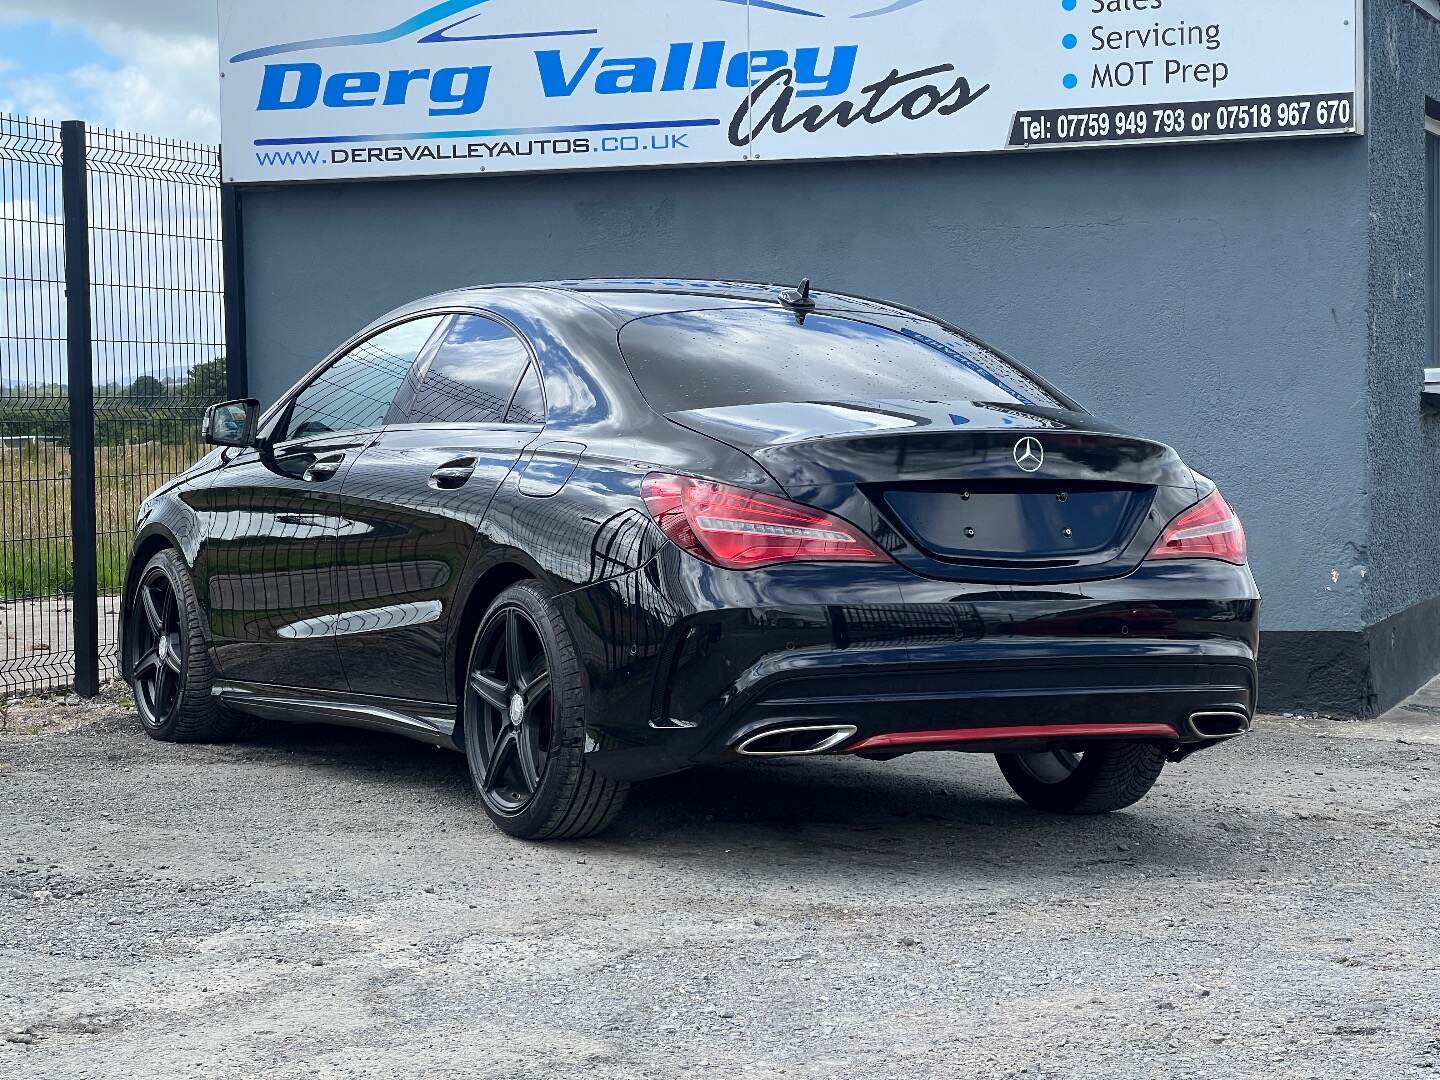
37, 642
324, 903
1416, 719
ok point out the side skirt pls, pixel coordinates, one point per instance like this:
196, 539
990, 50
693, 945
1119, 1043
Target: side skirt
423, 721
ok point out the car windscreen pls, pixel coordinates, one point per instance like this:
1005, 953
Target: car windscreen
713, 359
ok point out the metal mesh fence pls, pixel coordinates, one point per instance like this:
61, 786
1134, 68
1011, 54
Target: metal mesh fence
36, 552
158, 307
157, 332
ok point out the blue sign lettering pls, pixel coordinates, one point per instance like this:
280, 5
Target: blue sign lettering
454, 91
681, 70
461, 91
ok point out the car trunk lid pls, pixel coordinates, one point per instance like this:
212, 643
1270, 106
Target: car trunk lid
969, 490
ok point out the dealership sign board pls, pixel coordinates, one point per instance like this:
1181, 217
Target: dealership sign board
355, 89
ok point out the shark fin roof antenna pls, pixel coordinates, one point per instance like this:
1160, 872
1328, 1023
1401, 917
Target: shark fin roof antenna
799, 299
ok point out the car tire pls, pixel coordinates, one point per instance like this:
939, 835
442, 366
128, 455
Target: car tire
172, 683
1102, 779
527, 758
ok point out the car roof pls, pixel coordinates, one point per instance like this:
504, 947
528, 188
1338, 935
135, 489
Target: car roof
630, 298
617, 302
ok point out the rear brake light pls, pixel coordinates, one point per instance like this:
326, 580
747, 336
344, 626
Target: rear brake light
742, 530
1208, 530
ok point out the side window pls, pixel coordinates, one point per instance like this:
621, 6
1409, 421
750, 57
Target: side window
356, 391
472, 375
529, 404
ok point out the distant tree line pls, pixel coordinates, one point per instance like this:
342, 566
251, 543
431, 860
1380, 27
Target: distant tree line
147, 410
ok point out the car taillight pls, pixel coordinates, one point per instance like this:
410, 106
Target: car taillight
743, 530
1208, 530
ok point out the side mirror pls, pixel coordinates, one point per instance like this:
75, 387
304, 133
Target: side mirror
231, 423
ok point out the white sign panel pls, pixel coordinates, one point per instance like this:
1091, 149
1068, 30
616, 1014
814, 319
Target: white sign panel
354, 89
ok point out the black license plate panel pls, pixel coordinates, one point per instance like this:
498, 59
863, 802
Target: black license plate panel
1042, 523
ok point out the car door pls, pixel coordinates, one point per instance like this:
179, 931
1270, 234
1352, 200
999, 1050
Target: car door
271, 518
415, 498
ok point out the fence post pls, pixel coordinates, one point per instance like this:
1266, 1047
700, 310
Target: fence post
232, 237
81, 391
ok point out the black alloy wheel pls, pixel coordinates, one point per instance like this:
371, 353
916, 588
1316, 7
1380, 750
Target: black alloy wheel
167, 657
157, 647
523, 717
1098, 779
1049, 766
510, 684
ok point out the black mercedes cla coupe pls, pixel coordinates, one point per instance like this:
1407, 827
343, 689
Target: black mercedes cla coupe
592, 532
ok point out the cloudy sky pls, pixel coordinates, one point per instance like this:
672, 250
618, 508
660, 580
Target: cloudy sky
136, 65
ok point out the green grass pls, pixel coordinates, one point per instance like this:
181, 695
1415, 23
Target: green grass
36, 554
29, 570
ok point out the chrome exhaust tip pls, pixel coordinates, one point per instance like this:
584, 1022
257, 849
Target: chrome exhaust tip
797, 741
1219, 723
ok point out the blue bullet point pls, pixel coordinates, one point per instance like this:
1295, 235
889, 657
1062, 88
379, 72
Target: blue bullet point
1068, 5
1070, 41
1071, 81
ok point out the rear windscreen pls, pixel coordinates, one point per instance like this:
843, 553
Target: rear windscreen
713, 359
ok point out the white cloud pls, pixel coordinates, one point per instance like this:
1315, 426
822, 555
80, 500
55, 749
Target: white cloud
39, 96
166, 82
167, 86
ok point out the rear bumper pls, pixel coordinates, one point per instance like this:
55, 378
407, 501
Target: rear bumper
982, 695
687, 663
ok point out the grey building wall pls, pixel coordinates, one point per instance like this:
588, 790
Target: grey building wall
1403, 551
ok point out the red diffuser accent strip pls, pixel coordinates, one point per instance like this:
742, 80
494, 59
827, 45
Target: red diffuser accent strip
994, 734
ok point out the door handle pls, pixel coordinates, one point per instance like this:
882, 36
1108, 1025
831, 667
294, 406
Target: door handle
453, 474
324, 468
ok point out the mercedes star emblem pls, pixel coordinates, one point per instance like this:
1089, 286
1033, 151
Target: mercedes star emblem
1029, 455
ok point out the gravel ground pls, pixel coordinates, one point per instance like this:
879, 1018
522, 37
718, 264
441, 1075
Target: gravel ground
316, 902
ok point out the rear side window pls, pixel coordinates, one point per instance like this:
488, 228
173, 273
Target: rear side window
529, 404
714, 359
472, 376
356, 391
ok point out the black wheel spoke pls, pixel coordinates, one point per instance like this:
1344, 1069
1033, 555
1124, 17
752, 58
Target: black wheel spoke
171, 659
514, 648
506, 748
163, 680
153, 612
531, 760
490, 690
535, 686
146, 664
